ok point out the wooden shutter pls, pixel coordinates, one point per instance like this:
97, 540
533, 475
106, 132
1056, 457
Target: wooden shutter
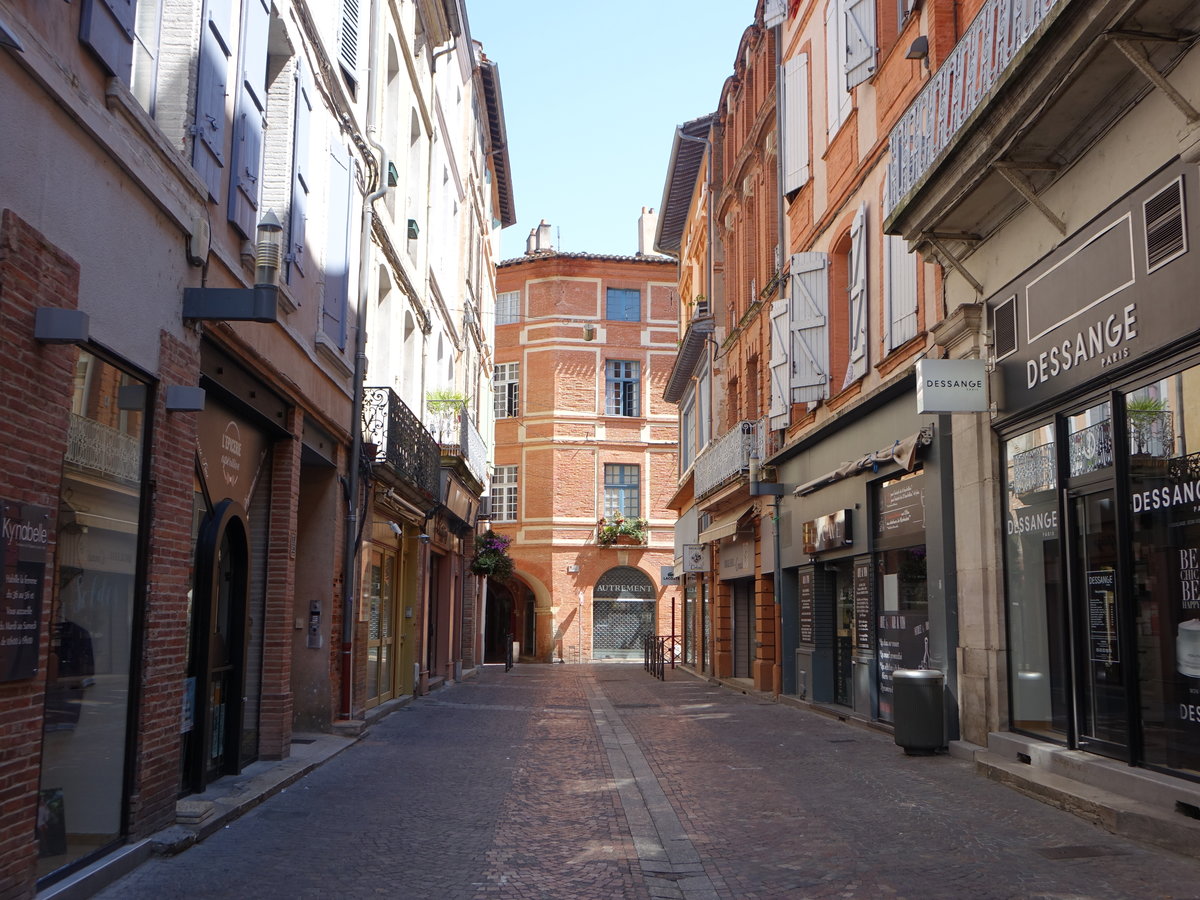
212, 81
774, 13
337, 247
900, 292
250, 123
780, 365
837, 94
794, 129
106, 28
860, 41
301, 135
348, 39
857, 284
810, 327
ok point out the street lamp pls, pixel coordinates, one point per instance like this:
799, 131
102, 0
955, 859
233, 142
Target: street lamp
256, 304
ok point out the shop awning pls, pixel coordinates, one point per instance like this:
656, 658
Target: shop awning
902, 452
725, 525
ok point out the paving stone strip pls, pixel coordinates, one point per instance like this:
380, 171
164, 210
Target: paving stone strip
669, 861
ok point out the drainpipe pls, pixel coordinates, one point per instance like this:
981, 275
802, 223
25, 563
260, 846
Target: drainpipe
353, 527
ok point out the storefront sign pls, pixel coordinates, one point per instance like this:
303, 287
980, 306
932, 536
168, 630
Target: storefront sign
624, 583
862, 605
903, 644
667, 576
951, 386
805, 594
24, 539
695, 558
901, 521
736, 559
829, 532
231, 454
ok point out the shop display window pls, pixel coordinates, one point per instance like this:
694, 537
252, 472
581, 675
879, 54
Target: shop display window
1033, 581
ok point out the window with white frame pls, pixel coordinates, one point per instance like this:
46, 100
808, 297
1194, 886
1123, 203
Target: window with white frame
623, 379
506, 390
508, 307
622, 490
504, 494
623, 304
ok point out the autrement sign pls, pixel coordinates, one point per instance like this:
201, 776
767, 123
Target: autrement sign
951, 386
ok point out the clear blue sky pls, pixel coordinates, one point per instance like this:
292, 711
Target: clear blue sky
592, 94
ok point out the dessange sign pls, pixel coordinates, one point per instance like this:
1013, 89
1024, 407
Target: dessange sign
951, 386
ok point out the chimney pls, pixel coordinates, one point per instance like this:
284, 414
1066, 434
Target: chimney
538, 240
531, 242
647, 226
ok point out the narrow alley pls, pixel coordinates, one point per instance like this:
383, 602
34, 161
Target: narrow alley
598, 781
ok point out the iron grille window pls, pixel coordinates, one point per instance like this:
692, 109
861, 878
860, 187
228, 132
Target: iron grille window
508, 307
623, 305
622, 490
623, 380
504, 494
506, 390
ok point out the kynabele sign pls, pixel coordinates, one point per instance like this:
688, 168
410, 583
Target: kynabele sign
951, 386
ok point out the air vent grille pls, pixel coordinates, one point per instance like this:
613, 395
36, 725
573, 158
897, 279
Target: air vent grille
1166, 237
1004, 327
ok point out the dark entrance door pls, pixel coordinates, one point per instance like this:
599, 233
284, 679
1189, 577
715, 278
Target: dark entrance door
218, 657
1102, 704
743, 627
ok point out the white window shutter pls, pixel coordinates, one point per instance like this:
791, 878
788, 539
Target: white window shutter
859, 41
809, 285
900, 292
780, 364
774, 13
795, 123
348, 38
857, 284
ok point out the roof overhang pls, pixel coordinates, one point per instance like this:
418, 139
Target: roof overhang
498, 142
687, 155
691, 348
1061, 91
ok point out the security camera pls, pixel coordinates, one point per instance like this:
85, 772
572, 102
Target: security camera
396, 529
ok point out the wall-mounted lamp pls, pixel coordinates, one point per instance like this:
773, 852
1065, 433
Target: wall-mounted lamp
589, 332
919, 49
182, 398
52, 325
256, 304
424, 538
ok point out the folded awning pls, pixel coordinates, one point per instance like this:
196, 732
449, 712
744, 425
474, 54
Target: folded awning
902, 452
725, 525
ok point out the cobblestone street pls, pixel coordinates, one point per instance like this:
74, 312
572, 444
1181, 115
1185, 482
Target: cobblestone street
598, 781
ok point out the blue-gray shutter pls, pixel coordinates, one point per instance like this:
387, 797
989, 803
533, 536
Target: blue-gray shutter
348, 39
249, 123
337, 247
809, 283
794, 128
212, 80
297, 217
780, 407
857, 284
860, 41
106, 28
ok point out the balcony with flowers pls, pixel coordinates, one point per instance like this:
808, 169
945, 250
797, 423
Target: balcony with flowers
622, 531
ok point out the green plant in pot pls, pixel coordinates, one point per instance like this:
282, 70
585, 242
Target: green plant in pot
621, 529
491, 556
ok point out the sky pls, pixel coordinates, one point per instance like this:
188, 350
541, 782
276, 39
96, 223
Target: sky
592, 94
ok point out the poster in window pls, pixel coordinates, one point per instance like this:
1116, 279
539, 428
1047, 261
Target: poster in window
805, 594
23, 544
862, 605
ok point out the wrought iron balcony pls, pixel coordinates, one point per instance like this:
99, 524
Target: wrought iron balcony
457, 436
401, 441
728, 457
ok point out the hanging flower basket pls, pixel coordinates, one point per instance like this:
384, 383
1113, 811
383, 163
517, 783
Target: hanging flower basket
630, 531
491, 556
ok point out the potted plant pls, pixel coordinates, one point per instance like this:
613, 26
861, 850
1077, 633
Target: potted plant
621, 530
491, 556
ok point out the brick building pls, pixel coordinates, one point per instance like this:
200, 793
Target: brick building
584, 343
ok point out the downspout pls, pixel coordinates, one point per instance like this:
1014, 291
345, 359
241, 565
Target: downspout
353, 527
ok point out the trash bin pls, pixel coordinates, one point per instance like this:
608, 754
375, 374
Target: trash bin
917, 711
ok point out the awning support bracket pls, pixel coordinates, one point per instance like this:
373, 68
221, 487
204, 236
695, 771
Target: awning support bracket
1125, 42
1013, 174
940, 246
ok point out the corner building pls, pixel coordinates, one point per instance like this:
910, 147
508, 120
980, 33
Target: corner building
584, 343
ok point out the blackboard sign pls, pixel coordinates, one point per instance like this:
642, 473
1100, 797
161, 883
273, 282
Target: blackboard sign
806, 606
862, 605
23, 544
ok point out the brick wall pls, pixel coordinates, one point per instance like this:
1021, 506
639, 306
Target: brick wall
34, 406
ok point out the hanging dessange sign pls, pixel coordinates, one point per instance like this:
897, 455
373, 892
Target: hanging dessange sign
951, 386
23, 544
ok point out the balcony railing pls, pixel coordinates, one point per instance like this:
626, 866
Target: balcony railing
963, 81
457, 435
728, 457
401, 441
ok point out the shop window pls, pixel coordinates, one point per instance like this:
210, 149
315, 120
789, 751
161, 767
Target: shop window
1036, 598
1163, 424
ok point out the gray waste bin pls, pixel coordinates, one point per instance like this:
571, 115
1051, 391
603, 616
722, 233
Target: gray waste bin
917, 711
